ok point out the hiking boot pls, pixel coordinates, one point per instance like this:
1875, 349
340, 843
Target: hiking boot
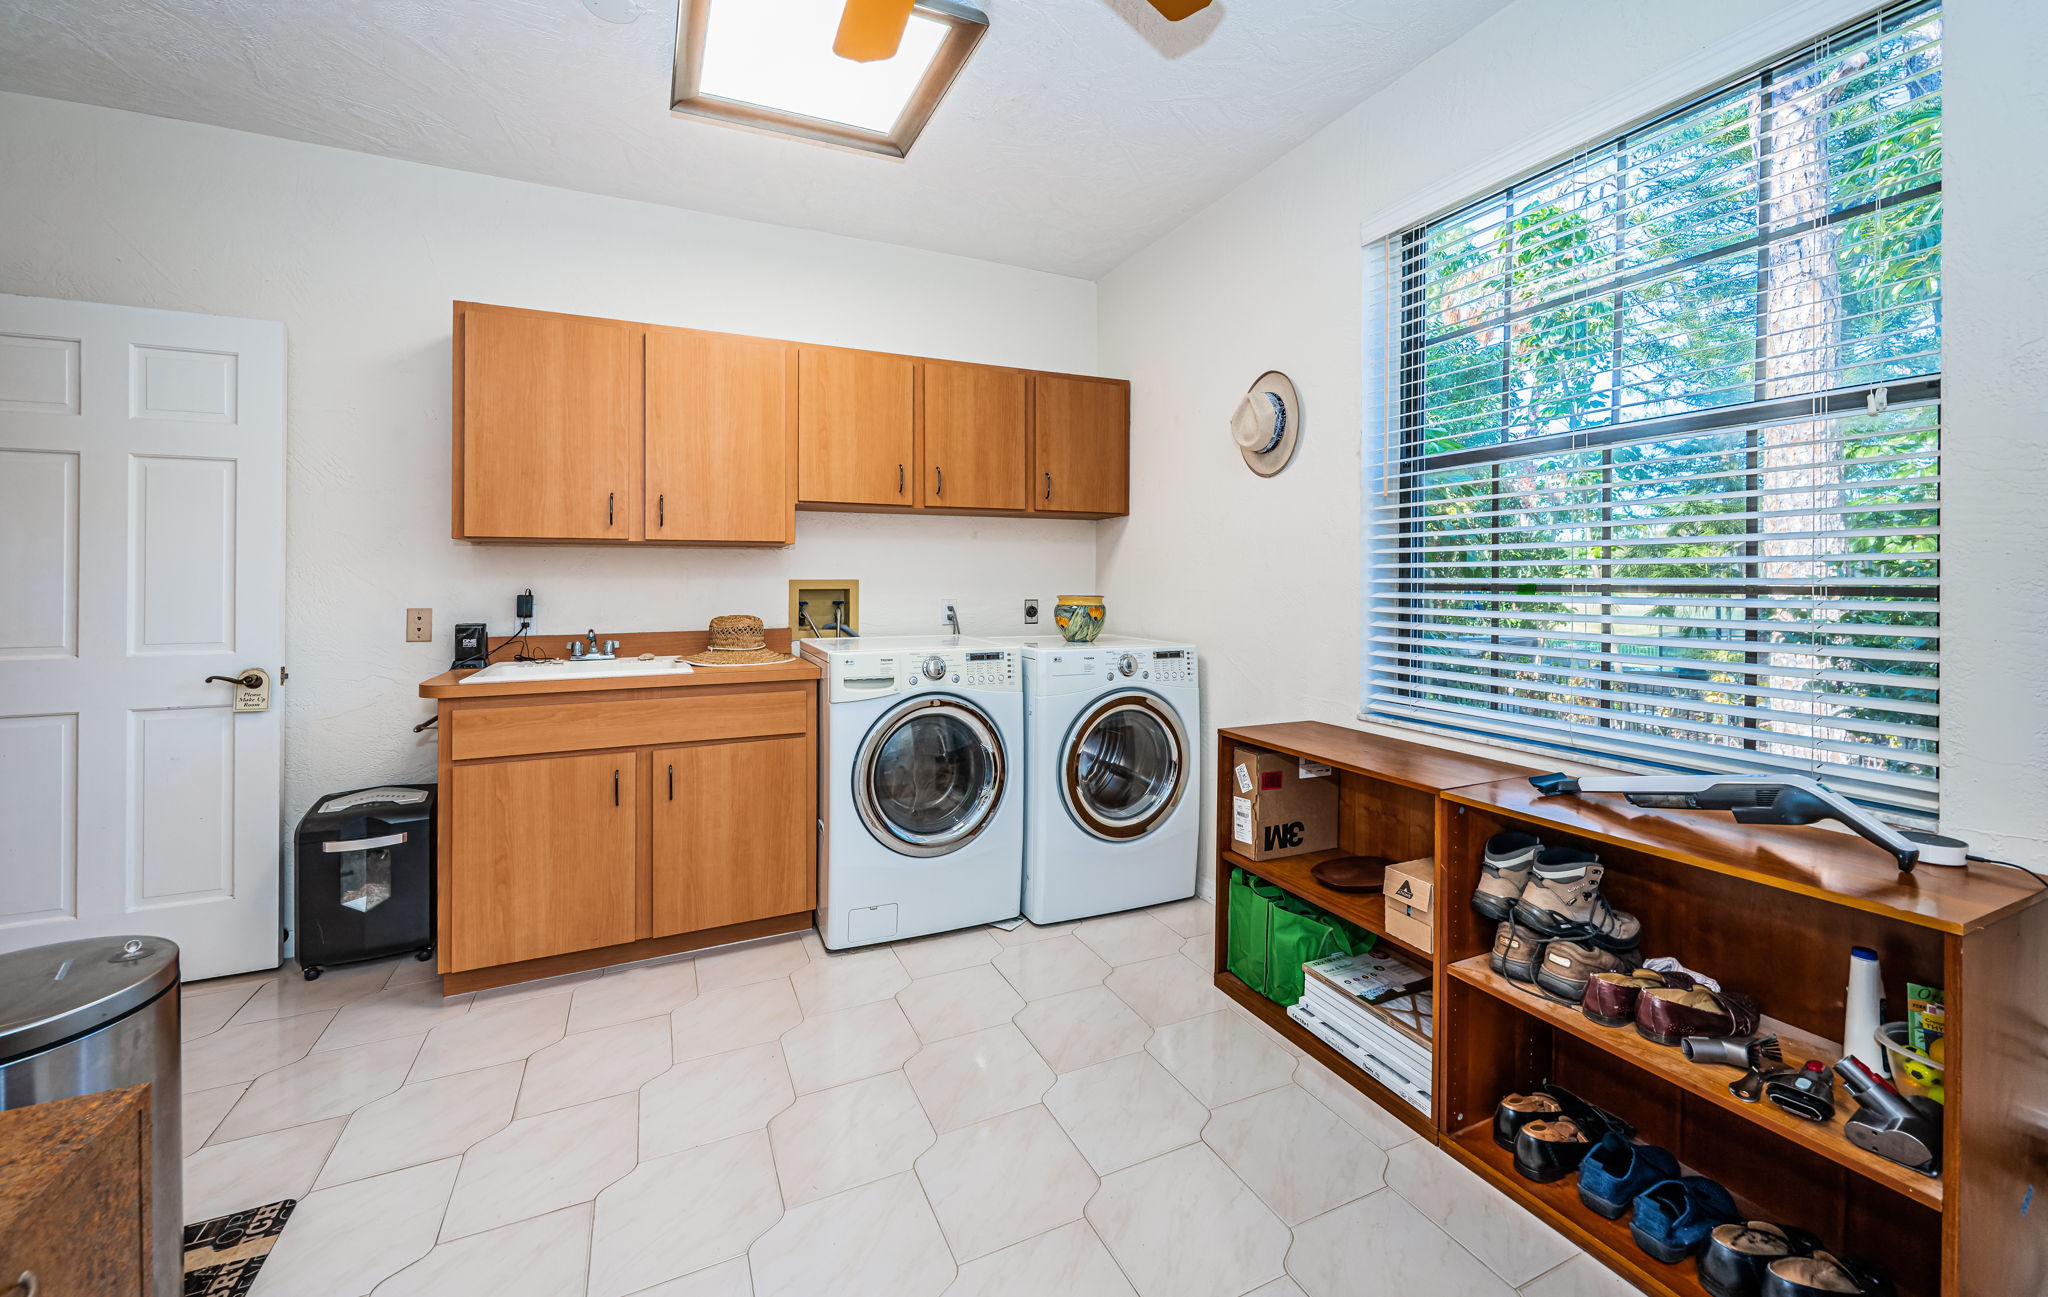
1516, 951
1504, 872
1567, 966
1563, 901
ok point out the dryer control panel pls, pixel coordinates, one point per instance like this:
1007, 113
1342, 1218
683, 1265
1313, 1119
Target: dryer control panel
989, 668
1173, 666
852, 675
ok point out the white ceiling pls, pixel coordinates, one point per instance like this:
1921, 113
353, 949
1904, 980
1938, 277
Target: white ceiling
1080, 130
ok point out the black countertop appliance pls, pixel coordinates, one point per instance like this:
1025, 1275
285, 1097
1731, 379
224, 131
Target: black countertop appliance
366, 876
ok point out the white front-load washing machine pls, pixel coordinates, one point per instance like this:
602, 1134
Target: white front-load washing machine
920, 796
1113, 815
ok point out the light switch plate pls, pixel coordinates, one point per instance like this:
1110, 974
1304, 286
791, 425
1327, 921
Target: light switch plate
419, 625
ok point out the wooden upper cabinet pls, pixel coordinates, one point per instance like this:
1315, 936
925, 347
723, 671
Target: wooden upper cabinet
721, 438
855, 438
1081, 435
974, 435
734, 831
543, 857
547, 411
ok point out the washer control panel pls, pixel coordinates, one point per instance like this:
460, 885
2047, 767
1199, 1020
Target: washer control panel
989, 668
1173, 666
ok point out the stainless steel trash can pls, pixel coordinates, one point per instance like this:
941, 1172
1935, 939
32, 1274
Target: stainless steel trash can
79, 1017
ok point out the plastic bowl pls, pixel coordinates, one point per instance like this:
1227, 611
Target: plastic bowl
1912, 1072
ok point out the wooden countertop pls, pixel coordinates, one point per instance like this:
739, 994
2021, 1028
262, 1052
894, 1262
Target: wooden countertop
1411, 765
448, 685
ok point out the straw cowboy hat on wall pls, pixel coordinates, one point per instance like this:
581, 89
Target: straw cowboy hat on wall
1267, 423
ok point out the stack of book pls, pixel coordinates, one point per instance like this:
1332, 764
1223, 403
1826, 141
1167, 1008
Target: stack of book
1375, 1010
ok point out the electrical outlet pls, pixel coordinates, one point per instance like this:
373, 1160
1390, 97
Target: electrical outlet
419, 625
1031, 612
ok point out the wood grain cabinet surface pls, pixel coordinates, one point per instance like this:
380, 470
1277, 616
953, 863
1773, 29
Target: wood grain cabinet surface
547, 426
74, 1195
721, 438
569, 429
1081, 439
975, 427
585, 826
542, 859
856, 428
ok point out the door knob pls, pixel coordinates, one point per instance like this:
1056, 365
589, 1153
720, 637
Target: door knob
250, 681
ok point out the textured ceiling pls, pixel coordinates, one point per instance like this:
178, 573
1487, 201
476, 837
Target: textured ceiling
1081, 129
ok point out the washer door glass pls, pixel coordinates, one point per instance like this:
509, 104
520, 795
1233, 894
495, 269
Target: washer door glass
929, 776
1125, 766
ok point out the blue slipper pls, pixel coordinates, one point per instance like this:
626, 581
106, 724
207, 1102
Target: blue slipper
1615, 1173
1675, 1217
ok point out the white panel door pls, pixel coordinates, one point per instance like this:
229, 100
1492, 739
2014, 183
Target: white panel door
142, 542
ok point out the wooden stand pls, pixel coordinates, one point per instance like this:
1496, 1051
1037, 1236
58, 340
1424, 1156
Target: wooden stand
1771, 912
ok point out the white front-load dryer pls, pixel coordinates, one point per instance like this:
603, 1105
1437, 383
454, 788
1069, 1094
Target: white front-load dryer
1114, 814
920, 797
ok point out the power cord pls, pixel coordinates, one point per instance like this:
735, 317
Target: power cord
521, 635
1986, 860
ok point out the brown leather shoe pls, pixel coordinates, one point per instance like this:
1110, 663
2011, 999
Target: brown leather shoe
1611, 997
1669, 1014
1567, 966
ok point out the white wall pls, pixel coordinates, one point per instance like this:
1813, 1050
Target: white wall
1270, 277
360, 258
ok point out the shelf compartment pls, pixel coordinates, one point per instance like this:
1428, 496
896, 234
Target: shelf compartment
1291, 874
1711, 1083
1311, 1044
1558, 1204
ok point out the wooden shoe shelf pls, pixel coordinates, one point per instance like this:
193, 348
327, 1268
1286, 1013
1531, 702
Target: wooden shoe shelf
1769, 911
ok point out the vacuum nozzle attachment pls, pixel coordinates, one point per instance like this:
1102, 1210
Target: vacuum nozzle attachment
1554, 785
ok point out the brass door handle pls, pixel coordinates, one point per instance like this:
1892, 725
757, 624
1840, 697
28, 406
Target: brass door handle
250, 681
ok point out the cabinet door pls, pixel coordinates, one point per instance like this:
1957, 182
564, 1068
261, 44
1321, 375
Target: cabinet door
973, 423
721, 438
1081, 433
542, 857
735, 825
854, 426
549, 435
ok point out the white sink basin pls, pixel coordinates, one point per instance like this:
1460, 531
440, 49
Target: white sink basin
522, 672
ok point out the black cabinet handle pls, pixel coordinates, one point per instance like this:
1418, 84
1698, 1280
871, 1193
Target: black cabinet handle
1048, 486
671, 783
661, 510
899, 479
610, 505
942, 481
615, 788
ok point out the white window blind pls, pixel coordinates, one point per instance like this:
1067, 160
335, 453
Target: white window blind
1663, 474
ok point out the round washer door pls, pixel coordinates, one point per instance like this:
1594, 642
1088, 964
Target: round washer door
929, 776
1125, 766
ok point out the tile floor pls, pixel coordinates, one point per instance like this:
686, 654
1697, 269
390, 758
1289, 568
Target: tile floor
1070, 1109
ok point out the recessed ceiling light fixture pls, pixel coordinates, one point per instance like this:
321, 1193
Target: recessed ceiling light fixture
769, 65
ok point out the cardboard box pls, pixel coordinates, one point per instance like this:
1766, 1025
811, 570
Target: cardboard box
1280, 805
1411, 897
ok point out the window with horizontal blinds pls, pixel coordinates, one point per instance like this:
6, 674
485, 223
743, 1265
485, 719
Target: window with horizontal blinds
1663, 475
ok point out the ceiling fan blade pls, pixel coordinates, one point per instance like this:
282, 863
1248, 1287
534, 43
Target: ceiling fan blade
1175, 10
870, 30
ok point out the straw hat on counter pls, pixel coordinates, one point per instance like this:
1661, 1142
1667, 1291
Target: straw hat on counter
737, 641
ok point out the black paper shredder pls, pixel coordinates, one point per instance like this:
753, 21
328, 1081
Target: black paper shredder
366, 876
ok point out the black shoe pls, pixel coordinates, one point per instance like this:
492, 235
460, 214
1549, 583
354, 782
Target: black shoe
1822, 1275
1551, 1149
1737, 1256
1518, 1110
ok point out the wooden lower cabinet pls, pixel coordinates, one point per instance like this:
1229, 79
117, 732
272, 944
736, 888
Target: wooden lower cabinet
75, 1197
580, 828
734, 825
542, 857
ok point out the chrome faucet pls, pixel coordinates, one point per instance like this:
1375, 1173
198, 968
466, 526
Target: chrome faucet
577, 652
953, 618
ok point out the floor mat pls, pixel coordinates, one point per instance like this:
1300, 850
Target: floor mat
223, 1255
